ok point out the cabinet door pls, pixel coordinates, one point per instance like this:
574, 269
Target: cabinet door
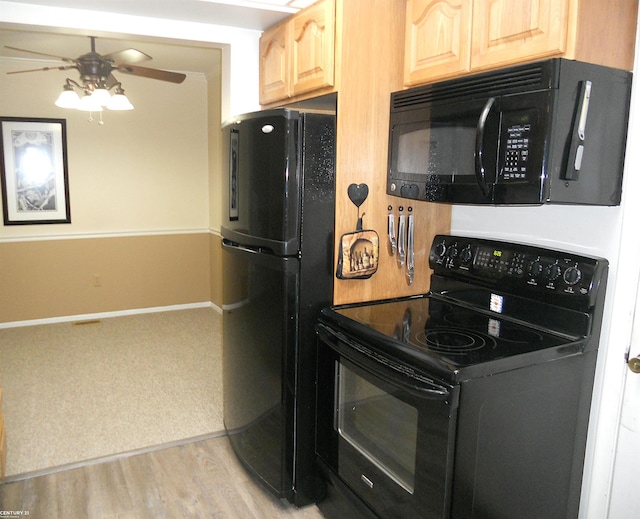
312, 47
437, 39
512, 31
274, 66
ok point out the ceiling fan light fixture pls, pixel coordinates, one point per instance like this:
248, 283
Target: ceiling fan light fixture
88, 104
68, 98
101, 96
96, 78
119, 101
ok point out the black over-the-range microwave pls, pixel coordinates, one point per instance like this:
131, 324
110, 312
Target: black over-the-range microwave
552, 131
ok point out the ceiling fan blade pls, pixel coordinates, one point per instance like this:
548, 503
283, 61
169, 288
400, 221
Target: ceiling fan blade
64, 67
152, 73
127, 56
40, 53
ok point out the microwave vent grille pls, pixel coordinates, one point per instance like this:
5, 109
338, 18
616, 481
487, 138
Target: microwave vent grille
506, 82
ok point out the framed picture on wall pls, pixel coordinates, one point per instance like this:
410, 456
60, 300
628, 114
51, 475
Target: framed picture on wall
33, 168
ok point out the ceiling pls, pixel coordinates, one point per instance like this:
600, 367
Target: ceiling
248, 14
167, 56
176, 56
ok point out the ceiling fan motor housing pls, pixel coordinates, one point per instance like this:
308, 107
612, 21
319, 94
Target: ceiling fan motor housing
94, 69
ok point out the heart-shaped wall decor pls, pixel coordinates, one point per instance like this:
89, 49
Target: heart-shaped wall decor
358, 193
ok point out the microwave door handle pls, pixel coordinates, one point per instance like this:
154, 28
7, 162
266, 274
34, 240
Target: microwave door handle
576, 146
481, 172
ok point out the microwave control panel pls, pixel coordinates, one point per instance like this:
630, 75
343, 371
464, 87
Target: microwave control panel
515, 146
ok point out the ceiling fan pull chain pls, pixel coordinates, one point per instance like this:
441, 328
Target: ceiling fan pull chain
100, 122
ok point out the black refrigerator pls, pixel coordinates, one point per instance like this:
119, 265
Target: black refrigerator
277, 251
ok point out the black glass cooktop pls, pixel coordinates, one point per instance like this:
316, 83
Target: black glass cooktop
441, 333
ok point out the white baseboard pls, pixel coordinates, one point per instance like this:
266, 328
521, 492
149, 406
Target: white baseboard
105, 315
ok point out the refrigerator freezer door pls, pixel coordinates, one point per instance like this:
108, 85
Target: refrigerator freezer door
263, 194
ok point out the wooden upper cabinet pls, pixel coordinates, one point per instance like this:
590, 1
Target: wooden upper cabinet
437, 36
449, 38
506, 31
297, 55
312, 48
274, 66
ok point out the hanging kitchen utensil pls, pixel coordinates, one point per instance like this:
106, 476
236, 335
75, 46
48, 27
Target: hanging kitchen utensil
402, 237
391, 231
410, 247
358, 254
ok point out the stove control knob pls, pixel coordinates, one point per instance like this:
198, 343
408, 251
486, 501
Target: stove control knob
452, 252
440, 250
535, 269
553, 272
466, 256
572, 275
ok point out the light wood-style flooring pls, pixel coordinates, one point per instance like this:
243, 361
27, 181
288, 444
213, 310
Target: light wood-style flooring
194, 480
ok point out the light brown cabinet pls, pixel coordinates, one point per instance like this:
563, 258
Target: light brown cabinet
274, 69
297, 55
508, 31
448, 38
437, 39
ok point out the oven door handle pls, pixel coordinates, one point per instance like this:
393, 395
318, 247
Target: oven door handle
369, 361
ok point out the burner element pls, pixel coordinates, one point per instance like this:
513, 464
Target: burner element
451, 341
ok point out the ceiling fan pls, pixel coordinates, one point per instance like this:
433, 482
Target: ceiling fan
97, 79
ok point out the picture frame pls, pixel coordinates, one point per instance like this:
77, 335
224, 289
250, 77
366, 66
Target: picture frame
233, 176
33, 171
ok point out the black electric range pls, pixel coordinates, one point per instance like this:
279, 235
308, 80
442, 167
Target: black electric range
458, 403
492, 307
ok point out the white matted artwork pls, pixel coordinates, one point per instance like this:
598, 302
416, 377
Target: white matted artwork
35, 183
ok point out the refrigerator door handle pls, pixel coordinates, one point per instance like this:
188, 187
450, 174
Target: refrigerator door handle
279, 248
263, 256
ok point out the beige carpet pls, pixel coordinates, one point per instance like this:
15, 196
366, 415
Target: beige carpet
75, 392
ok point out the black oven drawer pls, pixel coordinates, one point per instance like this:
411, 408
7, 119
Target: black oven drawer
386, 432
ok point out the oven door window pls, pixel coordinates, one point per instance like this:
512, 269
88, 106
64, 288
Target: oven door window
387, 435
389, 443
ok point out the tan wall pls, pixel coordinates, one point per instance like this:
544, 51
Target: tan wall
216, 171
55, 278
215, 269
141, 188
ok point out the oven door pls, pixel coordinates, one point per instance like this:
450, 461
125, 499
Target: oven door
386, 432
